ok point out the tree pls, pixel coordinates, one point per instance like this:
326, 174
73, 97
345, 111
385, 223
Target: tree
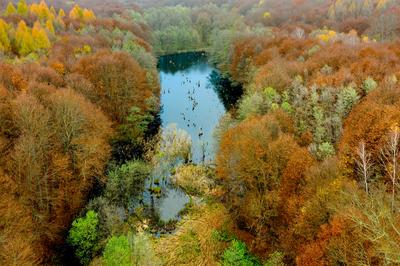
61, 14
364, 164
83, 236
50, 26
126, 183
390, 157
76, 12
374, 228
119, 83
40, 39
22, 8
346, 99
24, 40
253, 163
369, 85
43, 11
10, 10
5, 43
88, 15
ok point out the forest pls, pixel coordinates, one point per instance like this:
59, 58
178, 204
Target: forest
305, 161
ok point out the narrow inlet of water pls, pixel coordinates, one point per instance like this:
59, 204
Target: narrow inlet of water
193, 97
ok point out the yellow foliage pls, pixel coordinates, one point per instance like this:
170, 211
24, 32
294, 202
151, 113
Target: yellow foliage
323, 37
50, 26
326, 35
19, 33
23, 39
82, 14
41, 10
10, 10
41, 41
22, 7
53, 11
61, 13
88, 15
5, 43
34, 9
331, 33
76, 12
44, 11
267, 14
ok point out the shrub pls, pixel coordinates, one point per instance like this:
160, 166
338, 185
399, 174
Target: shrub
237, 255
117, 252
83, 236
126, 182
175, 145
142, 251
275, 259
130, 250
193, 179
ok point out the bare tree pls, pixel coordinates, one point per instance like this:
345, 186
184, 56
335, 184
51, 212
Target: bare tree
389, 158
299, 33
364, 164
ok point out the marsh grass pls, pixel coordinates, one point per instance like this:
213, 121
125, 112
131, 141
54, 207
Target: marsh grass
194, 242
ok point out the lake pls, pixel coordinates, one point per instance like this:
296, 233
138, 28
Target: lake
194, 97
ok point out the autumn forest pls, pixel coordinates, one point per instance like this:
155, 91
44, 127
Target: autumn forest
193, 132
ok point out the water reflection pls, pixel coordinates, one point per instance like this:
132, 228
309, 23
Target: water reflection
228, 93
171, 64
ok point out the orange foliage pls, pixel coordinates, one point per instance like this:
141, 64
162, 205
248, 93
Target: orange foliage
261, 167
119, 83
370, 122
314, 253
265, 61
55, 145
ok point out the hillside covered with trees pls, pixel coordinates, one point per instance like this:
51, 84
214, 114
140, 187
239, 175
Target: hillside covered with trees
307, 161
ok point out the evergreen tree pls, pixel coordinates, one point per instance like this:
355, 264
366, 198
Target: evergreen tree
61, 13
10, 10
5, 43
44, 11
23, 39
76, 12
50, 26
40, 39
88, 15
22, 8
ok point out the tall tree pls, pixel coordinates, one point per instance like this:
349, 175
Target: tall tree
22, 8
10, 10
40, 39
5, 43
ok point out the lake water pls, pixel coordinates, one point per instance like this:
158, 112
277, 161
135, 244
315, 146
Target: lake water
193, 97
